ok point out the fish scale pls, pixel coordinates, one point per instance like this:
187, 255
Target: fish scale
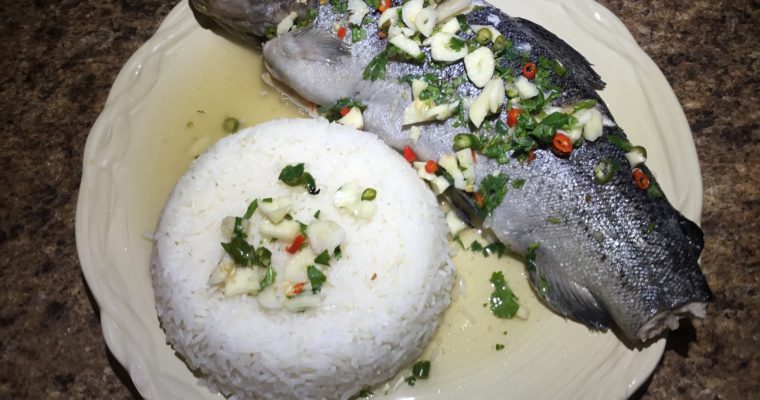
599, 259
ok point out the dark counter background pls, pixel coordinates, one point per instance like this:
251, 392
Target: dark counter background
59, 59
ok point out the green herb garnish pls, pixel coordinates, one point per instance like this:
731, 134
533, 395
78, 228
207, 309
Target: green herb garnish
316, 277
333, 112
503, 301
476, 246
493, 188
323, 258
554, 220
294, 175
268, 278
340, 6
499, 346
518, 183
251, 209
456, 43
376, 68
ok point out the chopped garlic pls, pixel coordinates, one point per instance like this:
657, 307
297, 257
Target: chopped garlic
439, 184
358, 9
366, 210
635, 158
242, 280
391, 14
489, 101
480, 66
450, 164
467, 165
287, 23
276, 209
441, 51
422, 172
222, 270
286, 230
592, 129
425, 20
353, 117
455, 224
451, 26
409, 11
406, 45
525, 88
324, 235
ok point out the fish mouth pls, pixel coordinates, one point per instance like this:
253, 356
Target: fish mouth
670, 319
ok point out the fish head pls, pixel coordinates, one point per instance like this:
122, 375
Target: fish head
314, 63
249, 20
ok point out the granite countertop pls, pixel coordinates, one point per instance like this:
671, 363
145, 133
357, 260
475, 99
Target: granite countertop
59, 59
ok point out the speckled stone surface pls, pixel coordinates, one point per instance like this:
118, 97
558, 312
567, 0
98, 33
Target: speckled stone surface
59, 59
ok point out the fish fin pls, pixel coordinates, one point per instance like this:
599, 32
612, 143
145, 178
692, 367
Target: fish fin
570, 299
693, 233
565, 53
319, 45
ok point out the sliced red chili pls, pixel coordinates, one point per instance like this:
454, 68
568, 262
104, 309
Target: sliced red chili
641, 179
298, 288
478, 199
512, 117
409, 154
384, 5
341, 32
431, 167
529, 70
296, 245
344, 111
562, 145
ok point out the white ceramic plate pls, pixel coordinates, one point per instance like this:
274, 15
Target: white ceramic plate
167, 105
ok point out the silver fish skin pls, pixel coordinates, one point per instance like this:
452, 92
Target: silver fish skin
609, 255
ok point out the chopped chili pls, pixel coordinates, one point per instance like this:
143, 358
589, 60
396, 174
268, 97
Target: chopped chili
512, 117
562, 145
409, 154
641, 179
342, 32
529, 70
296, 245
343, 111
384, 5
431, 167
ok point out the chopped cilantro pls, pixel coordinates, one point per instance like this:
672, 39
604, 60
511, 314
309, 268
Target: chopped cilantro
503, 300
463, 24
554, 220
316, 277
655, 191
337, 253
476, 246
650, 227
323, 258
499, 346
241, 252
518, 183
294, 175
376, 68
493, 188
410, 380
340, 6
497, 248
456, 43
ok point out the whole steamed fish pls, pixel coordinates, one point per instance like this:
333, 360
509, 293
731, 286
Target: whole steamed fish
510, 115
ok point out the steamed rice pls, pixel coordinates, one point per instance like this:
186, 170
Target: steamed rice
382, 300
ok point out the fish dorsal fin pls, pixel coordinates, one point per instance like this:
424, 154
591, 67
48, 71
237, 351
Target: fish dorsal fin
571, 58
319, 45
569, 298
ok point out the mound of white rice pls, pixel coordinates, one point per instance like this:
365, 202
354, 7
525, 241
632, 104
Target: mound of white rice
381, 302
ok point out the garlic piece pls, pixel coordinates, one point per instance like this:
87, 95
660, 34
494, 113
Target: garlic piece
480, 66
489, 101
441, 51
